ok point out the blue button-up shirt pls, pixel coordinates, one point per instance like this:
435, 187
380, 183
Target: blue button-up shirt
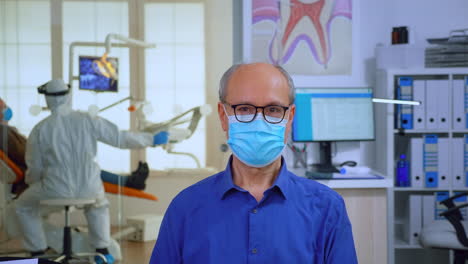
214, 221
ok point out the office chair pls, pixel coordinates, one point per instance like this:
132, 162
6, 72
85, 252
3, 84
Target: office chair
67, 254
449, 234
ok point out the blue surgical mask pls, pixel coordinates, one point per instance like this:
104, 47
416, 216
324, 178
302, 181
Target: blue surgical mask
7, 114
257, 143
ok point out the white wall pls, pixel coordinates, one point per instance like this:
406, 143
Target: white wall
373, 21
429, 18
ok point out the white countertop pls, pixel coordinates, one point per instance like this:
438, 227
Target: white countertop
351, 183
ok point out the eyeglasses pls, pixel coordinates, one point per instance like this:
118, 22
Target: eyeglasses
246, 113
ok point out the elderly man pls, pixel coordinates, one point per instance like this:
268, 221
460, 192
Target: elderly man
256, 211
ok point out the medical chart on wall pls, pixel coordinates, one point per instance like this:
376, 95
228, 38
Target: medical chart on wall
307, 37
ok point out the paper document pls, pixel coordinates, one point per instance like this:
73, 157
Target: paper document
337, 176
22, 261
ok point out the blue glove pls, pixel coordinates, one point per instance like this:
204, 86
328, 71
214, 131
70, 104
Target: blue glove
161, 138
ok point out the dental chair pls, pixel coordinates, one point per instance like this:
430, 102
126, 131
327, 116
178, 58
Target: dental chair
449, 234
9, 174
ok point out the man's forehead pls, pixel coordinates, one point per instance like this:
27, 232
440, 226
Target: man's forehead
260, 81
257, 68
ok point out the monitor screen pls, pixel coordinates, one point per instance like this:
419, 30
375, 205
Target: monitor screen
98, 75
333, 114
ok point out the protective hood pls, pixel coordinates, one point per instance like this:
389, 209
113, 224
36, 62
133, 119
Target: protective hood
57, 95
56, 103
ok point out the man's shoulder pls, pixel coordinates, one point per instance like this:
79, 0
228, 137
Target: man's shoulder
308, 188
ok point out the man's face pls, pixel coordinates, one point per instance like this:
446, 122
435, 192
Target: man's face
260, 85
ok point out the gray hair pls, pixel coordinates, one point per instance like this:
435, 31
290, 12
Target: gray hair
228, 74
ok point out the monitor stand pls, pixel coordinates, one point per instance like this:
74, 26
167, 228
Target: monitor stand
325, 165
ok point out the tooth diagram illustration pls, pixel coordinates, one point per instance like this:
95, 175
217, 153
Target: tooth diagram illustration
320, 15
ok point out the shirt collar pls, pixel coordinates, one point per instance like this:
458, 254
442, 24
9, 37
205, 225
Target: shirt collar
225, 183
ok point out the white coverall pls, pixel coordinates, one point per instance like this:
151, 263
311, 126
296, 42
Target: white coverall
60, 157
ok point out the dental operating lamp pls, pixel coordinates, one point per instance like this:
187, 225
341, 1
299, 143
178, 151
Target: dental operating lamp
127, 43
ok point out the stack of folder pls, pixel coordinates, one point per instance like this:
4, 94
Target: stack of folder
448, 52
437, 110
431, 162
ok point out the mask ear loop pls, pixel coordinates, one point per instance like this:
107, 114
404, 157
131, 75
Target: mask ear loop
225, 111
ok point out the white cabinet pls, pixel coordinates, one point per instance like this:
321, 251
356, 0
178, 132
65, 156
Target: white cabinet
443, 115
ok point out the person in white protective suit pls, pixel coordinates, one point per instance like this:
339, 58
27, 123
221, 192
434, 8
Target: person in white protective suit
60, 155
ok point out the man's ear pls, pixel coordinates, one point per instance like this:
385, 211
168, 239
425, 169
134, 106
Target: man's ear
290, 117
292, 112
222, 116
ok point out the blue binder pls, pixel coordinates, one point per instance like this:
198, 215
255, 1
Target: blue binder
439, 208
430, 161
405, 112
465, 159
466, 101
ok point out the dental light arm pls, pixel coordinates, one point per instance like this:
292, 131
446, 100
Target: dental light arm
131, 42
197, 113
116, 103
127, 43
177, 134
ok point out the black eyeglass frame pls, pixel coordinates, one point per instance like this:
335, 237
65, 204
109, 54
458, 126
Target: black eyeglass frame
285, 108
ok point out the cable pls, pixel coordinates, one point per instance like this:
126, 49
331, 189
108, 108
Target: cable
350, 163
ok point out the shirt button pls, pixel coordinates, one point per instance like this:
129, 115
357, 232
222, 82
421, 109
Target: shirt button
254, 211
254, 251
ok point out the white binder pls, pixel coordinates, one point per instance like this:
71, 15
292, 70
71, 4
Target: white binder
419, 94
458, 167
431, 108
428, 207
443, 165
443, 107
416, 163
459, 118
414, 219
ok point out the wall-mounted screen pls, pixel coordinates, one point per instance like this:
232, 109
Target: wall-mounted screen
98, 74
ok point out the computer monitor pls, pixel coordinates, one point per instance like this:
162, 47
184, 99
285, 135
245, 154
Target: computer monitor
326, 115
98, 75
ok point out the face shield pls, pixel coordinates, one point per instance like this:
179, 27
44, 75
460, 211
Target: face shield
56, 93
47, 89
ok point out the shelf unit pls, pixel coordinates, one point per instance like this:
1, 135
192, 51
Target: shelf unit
387, 140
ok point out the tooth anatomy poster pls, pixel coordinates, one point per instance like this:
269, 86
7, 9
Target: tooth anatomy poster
306, 37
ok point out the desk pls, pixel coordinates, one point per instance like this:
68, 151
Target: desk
351, 183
